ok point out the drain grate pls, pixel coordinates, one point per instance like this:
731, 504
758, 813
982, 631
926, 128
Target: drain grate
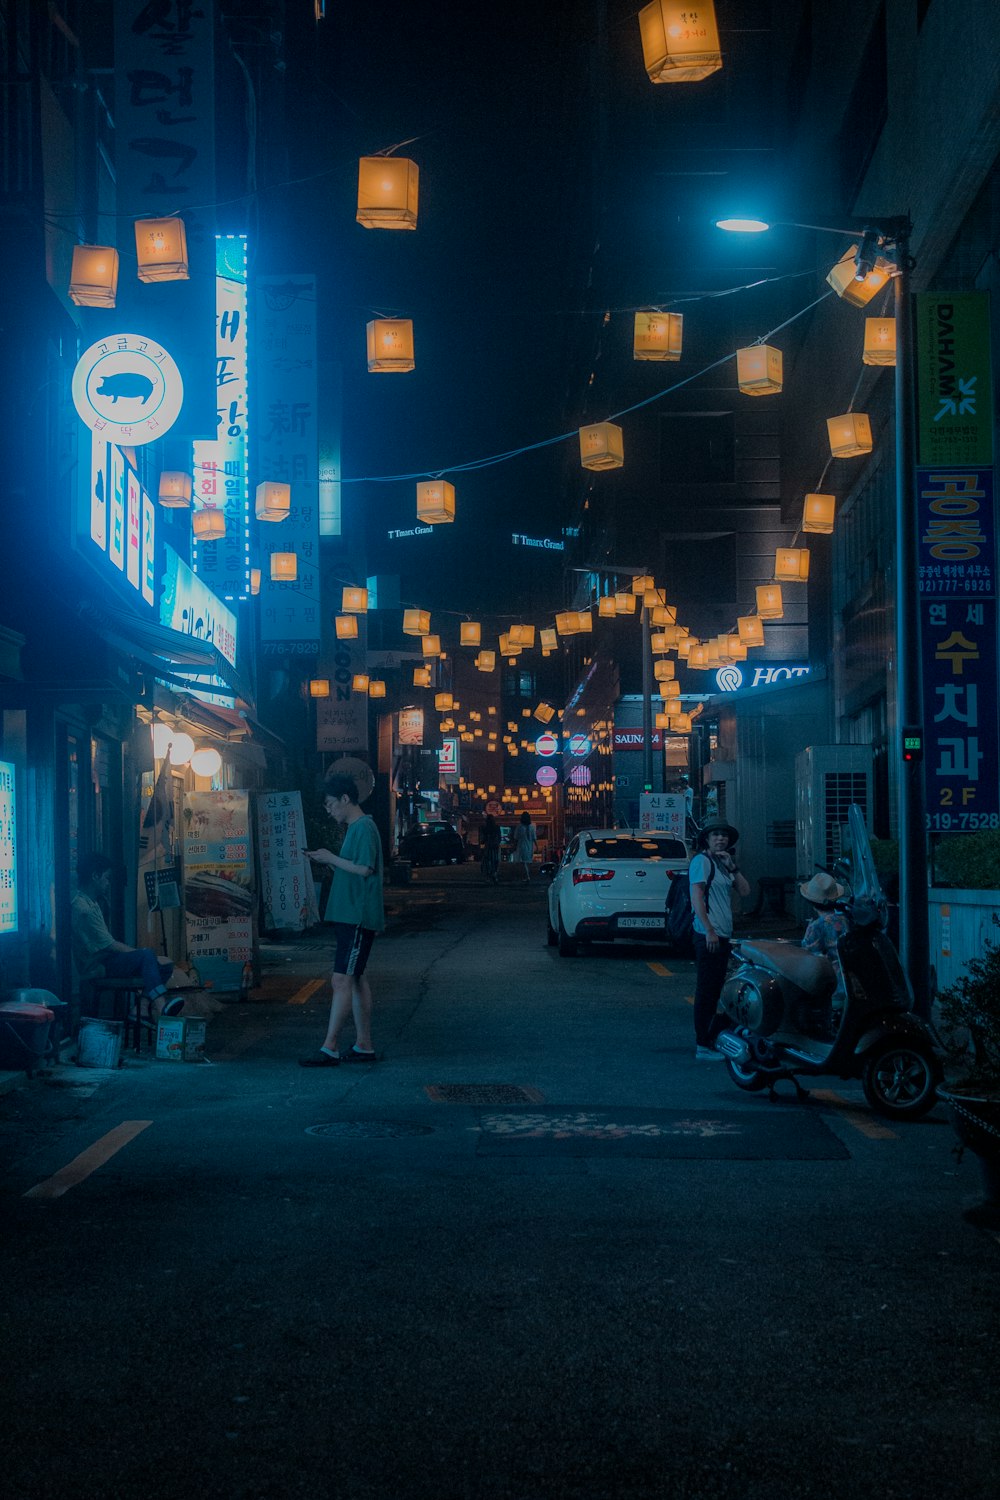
483, 1093
372, 1130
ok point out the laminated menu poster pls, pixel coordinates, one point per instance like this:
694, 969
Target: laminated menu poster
288, 893
219, 885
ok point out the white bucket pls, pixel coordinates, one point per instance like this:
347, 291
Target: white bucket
99, 1043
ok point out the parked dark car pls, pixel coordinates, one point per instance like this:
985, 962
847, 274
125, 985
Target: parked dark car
432, 843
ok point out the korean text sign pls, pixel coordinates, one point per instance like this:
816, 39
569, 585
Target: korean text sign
962, 762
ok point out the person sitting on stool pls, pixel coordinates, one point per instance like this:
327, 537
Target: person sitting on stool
97, 953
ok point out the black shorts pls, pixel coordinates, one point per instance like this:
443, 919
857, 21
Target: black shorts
353, 947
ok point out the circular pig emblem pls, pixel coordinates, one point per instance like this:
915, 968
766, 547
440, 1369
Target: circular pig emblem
127, 389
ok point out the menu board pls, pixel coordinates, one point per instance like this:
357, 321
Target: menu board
218, 885
288, 893
8, 850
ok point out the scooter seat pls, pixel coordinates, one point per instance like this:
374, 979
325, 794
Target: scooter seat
807, 971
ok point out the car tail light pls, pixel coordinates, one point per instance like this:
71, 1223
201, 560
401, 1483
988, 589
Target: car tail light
590, 872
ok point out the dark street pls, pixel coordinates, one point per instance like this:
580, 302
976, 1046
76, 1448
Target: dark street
536, 1251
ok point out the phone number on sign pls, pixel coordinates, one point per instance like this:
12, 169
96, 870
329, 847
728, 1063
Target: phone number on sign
966, 822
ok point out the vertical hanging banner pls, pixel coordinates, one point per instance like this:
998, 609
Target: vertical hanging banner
957, 576
286, 445
288, 892
165, 165
954, 384
8, 849
342, 719
218, 885
220, 467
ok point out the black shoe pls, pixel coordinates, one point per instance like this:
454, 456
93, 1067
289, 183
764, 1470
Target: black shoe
319, 1060
354, 1056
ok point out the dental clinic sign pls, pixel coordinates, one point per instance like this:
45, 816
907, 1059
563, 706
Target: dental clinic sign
731, 678
954, 386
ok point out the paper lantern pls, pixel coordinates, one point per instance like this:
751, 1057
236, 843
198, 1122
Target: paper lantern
206, 762
181, 749
435, 501
443, 701
654, 598
657, 335
751, 630
274, 500
818, 513
319, 687
416, 621
698, 657
549, 639
174, 490
759, 370
390, 345
642, 582
255, 581
663, 614
346, 627
661, 721
545, 713
664, 669
680, 723
209, 523
470, 633
522, 635
625, 603
601, 446
680, 43
670, 689
486, 661
431, 645
670, 635
736, 647
606, 608
791, 564
658, 642
843, 279
713, 656
421, 676
769, 601
567, 622
161, 249
376, 688
93, 279
507, 647
880, 341
359, 682
850, 434
354, 601
686, 646
584, 621
388, 188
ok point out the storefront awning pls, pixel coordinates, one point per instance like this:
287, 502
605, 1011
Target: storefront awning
178, 658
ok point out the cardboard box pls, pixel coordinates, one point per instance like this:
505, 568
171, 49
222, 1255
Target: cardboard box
181, 1039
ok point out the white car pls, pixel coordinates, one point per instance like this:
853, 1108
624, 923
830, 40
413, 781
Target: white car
613, 884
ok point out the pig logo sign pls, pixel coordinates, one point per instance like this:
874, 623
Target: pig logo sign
127, 389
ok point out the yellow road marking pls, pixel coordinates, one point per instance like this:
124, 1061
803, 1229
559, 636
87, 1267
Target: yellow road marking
301, 996
88, 1161
660, 969
861, 1122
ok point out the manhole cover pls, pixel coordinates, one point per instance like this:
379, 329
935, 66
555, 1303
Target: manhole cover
483, 1093
370, 1129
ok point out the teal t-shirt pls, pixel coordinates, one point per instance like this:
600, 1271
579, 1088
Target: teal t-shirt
357, 899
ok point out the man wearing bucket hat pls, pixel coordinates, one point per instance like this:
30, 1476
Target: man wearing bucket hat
713, 875
827, 927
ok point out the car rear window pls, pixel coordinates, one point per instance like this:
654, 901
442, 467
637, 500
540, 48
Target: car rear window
628, 847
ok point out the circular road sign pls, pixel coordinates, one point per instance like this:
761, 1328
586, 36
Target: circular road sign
546, 775
579, 744
546, 744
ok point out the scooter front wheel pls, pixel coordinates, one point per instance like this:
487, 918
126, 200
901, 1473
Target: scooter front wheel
900, 1079
748, 1079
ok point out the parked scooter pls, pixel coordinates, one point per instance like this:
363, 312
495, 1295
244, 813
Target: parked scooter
789, 1023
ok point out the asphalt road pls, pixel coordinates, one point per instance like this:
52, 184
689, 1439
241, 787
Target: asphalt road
609, 1275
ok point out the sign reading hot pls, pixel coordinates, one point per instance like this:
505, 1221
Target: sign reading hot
127, 389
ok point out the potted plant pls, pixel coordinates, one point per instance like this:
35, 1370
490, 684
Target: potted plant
970, 1017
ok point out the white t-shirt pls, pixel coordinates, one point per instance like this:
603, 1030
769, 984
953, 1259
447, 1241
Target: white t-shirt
720, 902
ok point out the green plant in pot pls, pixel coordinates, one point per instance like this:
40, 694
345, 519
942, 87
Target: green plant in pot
970, 1019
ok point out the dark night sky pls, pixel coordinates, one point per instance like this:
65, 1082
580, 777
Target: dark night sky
522, 243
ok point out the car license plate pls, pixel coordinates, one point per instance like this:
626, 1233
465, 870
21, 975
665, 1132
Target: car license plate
649, 922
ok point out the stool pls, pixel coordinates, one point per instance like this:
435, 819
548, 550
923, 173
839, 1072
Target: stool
126, 1003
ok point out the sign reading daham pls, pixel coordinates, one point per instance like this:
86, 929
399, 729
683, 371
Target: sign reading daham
954, 387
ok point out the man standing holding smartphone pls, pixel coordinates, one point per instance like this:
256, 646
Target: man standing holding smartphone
356, 910
713, 875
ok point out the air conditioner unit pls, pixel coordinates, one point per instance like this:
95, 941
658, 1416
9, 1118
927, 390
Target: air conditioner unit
828, 778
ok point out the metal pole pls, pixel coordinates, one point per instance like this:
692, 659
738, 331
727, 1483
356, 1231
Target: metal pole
912, 813
647, 700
